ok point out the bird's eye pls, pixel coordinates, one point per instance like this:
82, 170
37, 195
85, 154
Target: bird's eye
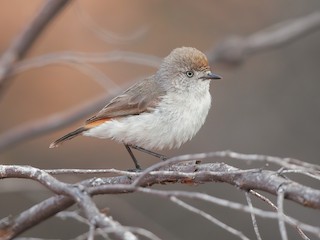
189, 74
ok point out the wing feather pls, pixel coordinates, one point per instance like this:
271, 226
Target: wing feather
141, 97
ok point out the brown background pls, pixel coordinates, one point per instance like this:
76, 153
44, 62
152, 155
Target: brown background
269, 105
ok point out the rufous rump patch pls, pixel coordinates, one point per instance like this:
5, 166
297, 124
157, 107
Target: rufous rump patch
96, 123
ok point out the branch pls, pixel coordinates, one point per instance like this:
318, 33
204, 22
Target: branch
274, 207
209, 218
76, 216
74, 192
170, 171
253, 216
24, 41
235, 50
235, 206
281, 222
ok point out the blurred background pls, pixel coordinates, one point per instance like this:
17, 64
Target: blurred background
270, 104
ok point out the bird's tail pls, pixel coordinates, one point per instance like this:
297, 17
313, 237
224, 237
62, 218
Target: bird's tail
69, 136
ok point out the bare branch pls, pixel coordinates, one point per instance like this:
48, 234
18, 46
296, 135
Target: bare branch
90, 171
282, 225
209, 217
31, 238
314, 174
265, 199
72, 214
24, 41
143, 232
250, 181
91, 232
253, 217
236, 49
170, 172
246, 179
289, 163
235, 206
75, 192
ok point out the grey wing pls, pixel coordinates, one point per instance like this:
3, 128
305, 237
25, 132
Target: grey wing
141, 97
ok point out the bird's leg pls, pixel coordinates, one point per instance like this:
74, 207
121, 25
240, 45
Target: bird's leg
162, 157
138, 168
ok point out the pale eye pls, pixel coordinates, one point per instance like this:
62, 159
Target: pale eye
189, 74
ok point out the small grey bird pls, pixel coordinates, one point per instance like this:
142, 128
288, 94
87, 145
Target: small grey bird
162, 111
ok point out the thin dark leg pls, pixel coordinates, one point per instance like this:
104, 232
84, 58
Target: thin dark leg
133, 157
162, 157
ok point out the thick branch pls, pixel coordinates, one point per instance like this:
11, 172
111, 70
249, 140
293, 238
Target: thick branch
186, 172
74, 192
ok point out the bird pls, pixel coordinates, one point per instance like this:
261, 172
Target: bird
162, 111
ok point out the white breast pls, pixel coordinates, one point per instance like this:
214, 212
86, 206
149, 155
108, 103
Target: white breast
176, 120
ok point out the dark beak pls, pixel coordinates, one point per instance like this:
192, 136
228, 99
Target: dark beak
210, 76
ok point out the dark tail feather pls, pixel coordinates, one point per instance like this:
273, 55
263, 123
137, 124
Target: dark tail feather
67, 137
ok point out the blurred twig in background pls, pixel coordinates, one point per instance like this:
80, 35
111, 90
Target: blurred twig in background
108, 36
236, 50
24, 41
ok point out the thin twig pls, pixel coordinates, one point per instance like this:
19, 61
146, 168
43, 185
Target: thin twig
143, 232
210, 218
253, 217
274, 207
232, 205
32, 238
73, 215
82, 57
282, 226
91, 232
104, 34
90, 171
289, 163
313, 174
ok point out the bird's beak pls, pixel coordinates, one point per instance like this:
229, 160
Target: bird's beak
210, 76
